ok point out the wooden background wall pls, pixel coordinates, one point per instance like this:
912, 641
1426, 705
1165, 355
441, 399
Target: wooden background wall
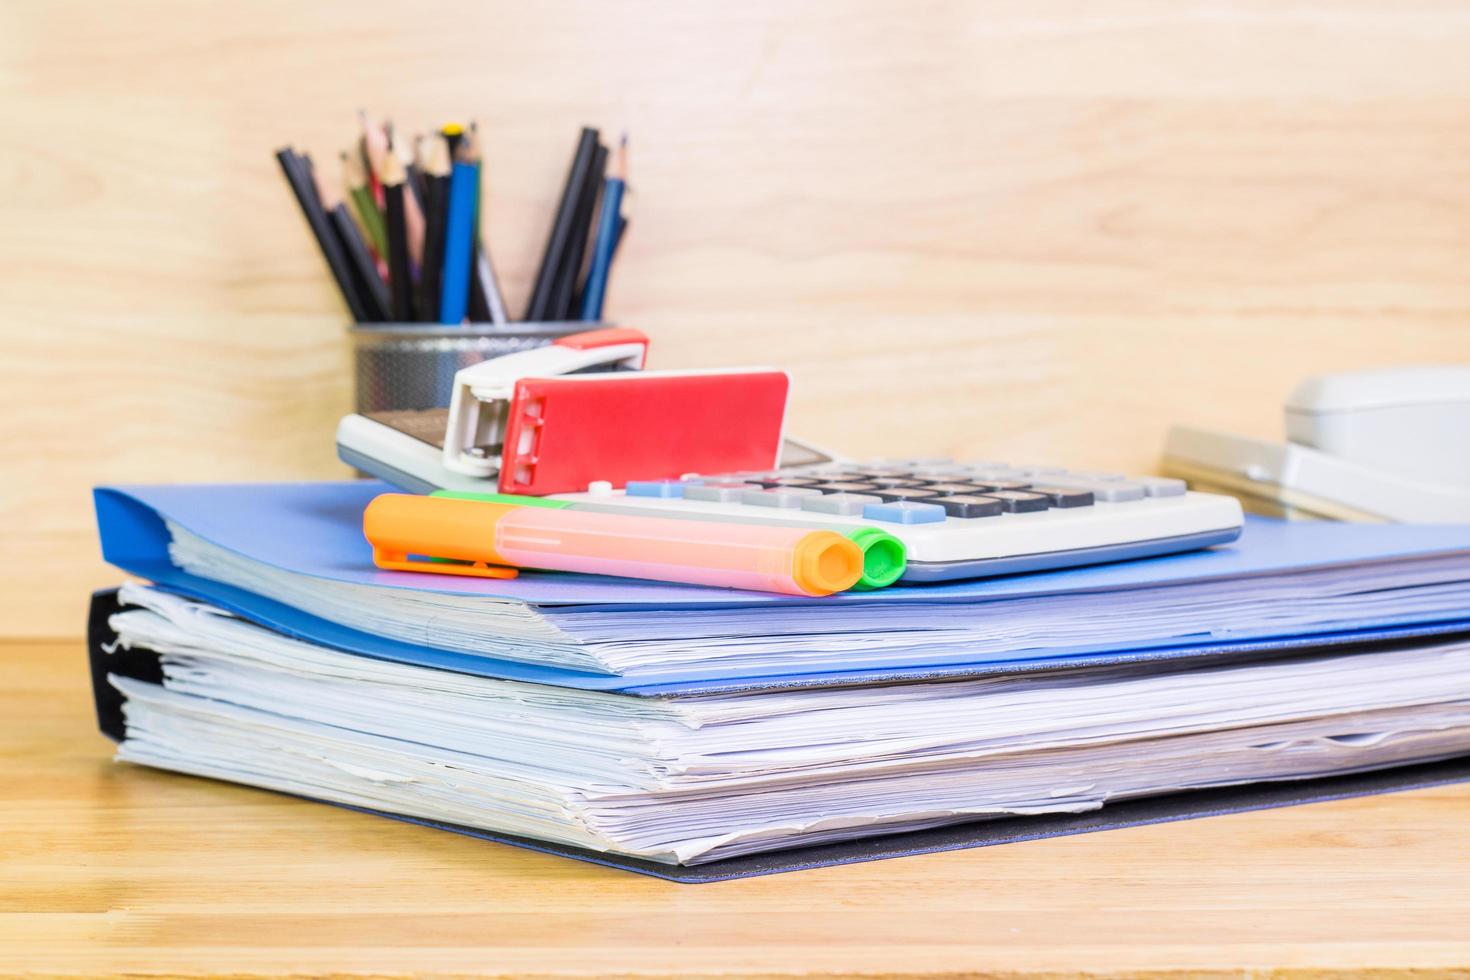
1034, 229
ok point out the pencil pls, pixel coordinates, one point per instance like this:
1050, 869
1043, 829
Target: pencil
354, 178
298, 175
373, 290
436, 206
486, 300
371, 145
564, 297
452, 133
557, 242
458, 244
413, 217
609, 227
365, 275
400, 275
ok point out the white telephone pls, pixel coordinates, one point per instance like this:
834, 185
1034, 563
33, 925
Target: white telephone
1381, 445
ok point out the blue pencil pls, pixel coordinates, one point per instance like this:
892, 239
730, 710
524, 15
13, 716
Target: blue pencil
459, 242
609, 227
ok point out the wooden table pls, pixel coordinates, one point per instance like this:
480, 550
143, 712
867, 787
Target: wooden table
106, 867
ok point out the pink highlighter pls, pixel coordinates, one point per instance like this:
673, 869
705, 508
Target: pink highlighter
491, 539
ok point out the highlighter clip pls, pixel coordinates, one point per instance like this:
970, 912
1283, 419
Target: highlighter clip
400, 562
480, 404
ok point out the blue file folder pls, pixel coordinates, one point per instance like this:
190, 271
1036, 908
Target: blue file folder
315, 529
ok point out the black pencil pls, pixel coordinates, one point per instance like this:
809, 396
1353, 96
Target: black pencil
365, 277
298, 175
435, 171
553, 259
400, 276
564, 298
373, 290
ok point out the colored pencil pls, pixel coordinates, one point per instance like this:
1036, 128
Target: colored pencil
559, 239
372, 144
413, 218
452, 133
400, 275
435, 169
458, 242
354, 178
486, 300
298, 175
608, 232
373, 290
365, 275
564, 303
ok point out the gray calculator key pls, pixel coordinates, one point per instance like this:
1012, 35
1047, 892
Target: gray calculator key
1162, 486
846, 504
723, 493
780, 497
987, 485
1091, 476
1112, 491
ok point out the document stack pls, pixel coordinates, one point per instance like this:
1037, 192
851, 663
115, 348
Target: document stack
699, 734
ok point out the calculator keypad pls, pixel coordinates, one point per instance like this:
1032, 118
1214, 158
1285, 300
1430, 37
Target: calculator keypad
926, 491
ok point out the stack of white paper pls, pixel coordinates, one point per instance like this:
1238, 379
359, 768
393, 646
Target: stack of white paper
695, 778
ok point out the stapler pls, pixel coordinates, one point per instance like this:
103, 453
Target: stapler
558, 418
1383, 445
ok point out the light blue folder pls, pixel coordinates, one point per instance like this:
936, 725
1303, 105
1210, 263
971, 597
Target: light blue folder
315, 529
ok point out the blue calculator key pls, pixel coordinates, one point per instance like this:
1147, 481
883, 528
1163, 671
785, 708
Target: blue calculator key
904, 512
655, 488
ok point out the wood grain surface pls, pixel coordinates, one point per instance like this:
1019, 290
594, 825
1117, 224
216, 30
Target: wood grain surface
1038, 230
112, 868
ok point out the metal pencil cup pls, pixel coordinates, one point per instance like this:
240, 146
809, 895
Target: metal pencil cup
412, 365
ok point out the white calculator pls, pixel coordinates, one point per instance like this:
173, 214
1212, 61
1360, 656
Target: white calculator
957, 519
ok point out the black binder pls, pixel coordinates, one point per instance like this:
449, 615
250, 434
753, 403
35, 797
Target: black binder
144, 665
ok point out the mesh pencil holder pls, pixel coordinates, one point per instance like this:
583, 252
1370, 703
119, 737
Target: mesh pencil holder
412, 365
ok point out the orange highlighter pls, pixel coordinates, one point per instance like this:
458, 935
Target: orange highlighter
492, 540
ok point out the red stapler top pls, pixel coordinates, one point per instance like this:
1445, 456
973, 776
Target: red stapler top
528, 420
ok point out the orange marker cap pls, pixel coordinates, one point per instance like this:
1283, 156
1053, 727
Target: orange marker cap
825, 562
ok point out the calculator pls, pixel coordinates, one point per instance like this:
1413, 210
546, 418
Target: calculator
957, 519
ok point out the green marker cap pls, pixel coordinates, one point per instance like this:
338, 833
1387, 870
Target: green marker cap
503, 498
884, 557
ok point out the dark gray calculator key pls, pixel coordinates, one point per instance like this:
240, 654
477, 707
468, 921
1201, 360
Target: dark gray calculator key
890, 494
990, 486
1020, 501
844, 486
830, 476
969, 505
1066, 496
953, 487
896, 481
787, 481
